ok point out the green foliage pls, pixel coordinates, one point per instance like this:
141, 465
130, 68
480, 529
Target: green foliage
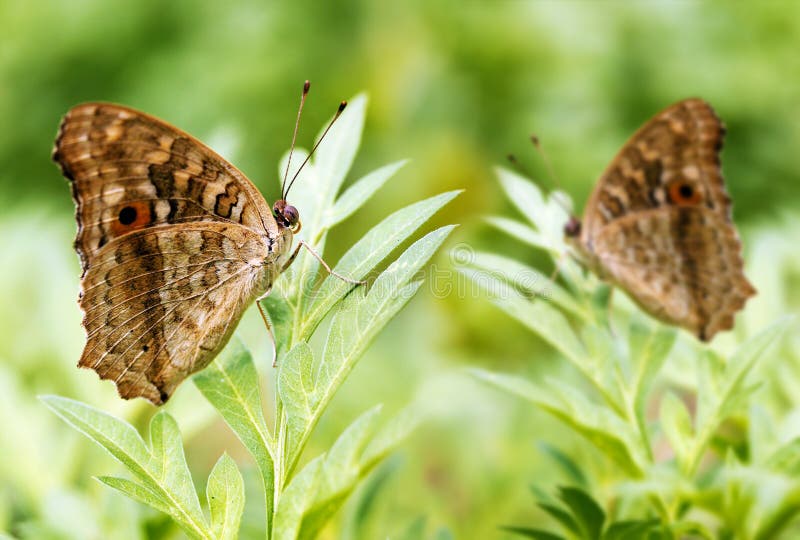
612, 404
299, 501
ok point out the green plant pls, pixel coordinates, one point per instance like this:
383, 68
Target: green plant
298, 500
686, 466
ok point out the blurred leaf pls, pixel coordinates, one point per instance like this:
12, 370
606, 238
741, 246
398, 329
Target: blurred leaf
537, 534
518, 230
722, 391
597, 423
225, 495
527, 280
357, 194
568, 465
630, 530
537, 315
588, 514
677, 425
562, 516
649, 348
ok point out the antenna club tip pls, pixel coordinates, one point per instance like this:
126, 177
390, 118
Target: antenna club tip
342, 105
306, 86
535, 139
511, 157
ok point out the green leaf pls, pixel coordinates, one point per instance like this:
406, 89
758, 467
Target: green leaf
390, 436
295, 501
119, 438
588, 514
225, 495
340, 472
518, 230
597, 423
335, 156
359, 320
560, 515
296, 392
367, 253
528, 532
137, 492
528, 281
230, 384
649, 349
677, 425
568, 465
630, 530
160, 470
723, 390
357, 194
167, 448
540, 316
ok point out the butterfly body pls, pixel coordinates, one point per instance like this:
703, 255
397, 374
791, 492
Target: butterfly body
174, 242
658, 223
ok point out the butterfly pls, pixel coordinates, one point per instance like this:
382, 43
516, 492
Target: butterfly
658, 223
174, 243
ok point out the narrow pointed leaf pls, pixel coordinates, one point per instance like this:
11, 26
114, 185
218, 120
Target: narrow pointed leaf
230, 383
368, 252
357, 194
167, 448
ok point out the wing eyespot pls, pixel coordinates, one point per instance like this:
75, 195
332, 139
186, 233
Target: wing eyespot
683, 193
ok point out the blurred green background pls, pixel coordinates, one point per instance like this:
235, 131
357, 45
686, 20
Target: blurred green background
453, 85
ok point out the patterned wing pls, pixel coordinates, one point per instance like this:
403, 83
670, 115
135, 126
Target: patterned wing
672, 160
161, 302
659, 222
130, 171
681, 264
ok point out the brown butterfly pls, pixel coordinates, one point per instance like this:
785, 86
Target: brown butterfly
659, 223
175, 243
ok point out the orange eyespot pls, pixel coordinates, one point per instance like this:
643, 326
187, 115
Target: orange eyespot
131, 216
683, 193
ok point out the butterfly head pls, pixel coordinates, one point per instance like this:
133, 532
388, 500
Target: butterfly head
572, 229
286, 215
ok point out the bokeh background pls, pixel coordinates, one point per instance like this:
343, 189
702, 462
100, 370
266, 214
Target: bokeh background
453, 85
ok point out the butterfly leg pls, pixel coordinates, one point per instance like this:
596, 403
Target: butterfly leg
317, 256
265, 318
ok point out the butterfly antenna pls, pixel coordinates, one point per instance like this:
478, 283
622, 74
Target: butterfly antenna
342, 105
306, 87
551, 172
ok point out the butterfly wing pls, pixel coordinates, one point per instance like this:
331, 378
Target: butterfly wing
160, 303
174, 243
659, 222
129, 171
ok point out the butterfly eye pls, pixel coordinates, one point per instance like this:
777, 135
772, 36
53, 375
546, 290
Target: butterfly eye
684, 193
291, 215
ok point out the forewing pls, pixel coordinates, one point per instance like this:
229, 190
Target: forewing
161, 302
130, 171
681, 264
676, 153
